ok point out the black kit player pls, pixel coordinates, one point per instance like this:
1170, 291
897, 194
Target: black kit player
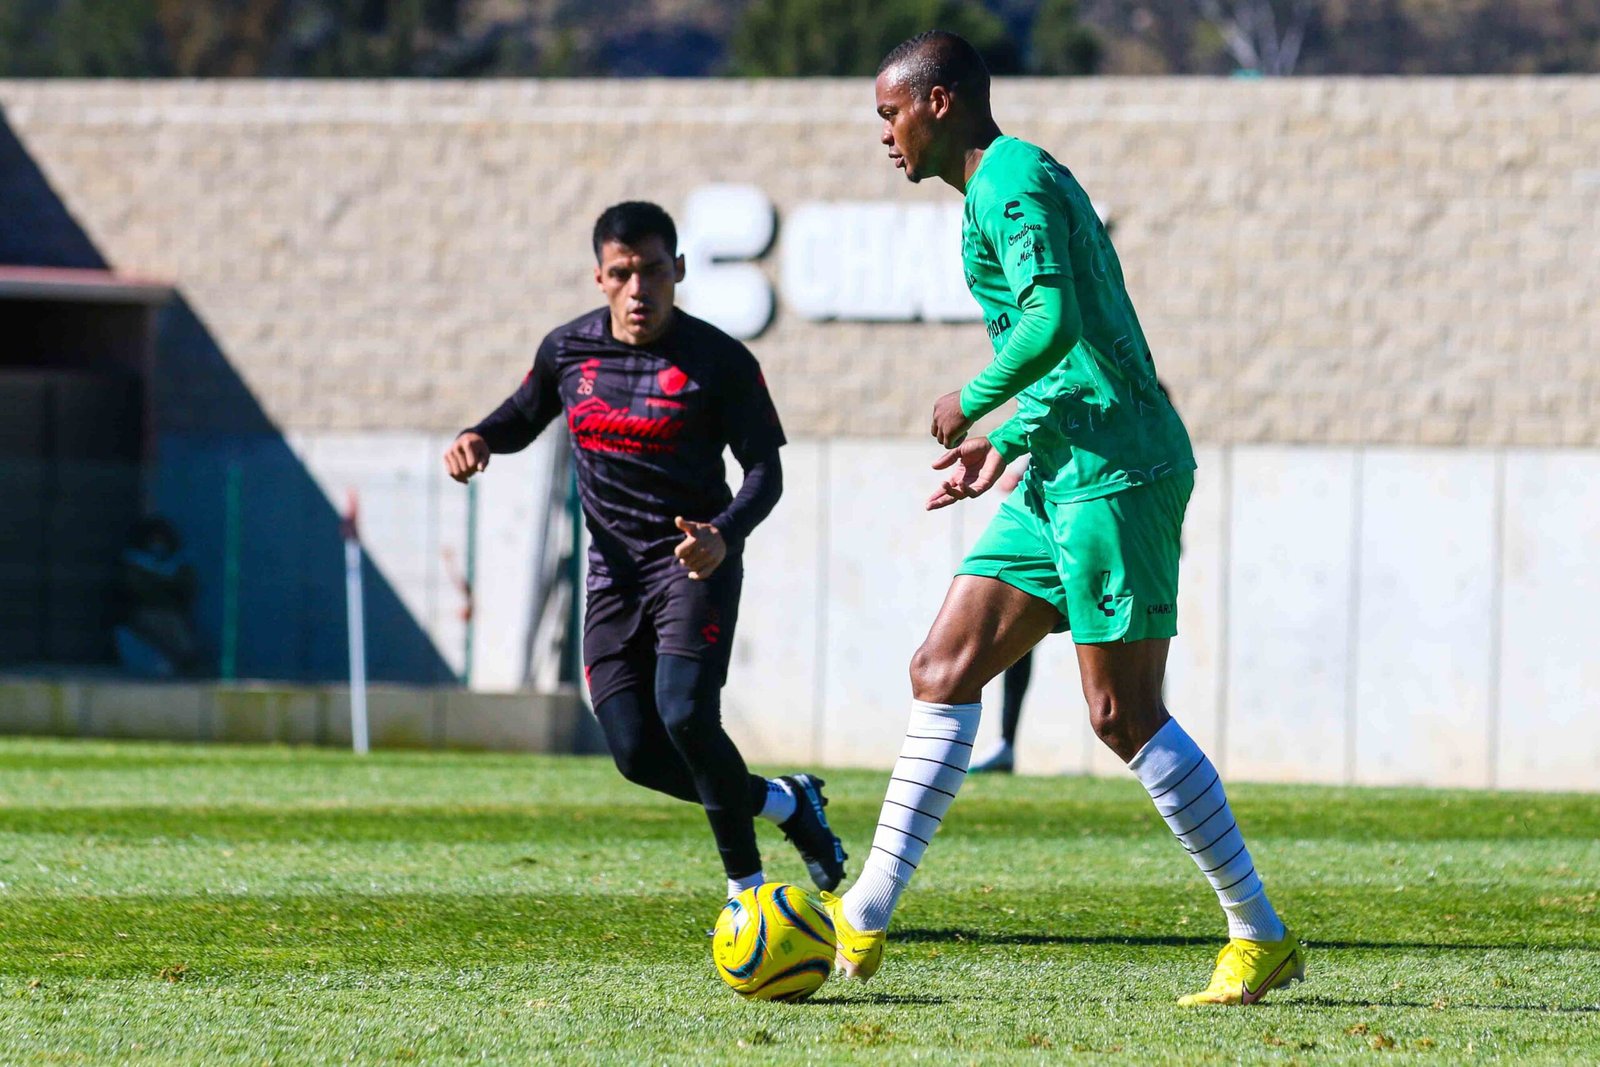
652, 396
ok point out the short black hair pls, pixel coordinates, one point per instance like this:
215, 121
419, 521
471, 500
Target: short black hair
939, 57
632, 222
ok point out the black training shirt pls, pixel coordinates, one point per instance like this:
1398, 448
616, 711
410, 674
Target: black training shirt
648, 425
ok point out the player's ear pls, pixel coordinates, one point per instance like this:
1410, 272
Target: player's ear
939, 101
678, 269
598, 277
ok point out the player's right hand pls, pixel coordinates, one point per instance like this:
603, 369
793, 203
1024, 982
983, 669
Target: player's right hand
466, 456
950, 423
974, 465
702, 549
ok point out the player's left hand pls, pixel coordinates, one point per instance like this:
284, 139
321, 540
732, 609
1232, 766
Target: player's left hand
702, 549
977, 466
950, 425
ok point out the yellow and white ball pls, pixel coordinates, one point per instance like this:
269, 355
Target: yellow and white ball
773, 942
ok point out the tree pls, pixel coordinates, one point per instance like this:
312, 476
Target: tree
846, 38
554, 38
207, 39
250, 38
79, 39
1062, 44
1264, 36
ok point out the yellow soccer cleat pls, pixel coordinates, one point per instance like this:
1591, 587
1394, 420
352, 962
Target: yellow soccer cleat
859, 951
1248, 970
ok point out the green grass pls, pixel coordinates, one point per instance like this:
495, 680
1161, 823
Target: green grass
217, 904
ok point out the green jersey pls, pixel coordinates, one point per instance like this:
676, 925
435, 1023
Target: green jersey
1098, 422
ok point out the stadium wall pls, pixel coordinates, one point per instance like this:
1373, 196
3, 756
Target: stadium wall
397, 716
1372, 300
1373, 261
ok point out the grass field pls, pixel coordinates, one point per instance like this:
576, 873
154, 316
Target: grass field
214, 904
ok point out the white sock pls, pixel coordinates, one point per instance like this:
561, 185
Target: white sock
779, 805
1187, 791
926, 777
739, 885
999, 750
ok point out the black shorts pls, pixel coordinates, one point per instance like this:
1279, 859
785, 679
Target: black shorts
625, 628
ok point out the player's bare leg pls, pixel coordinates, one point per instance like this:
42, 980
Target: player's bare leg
1122, 683
984, 626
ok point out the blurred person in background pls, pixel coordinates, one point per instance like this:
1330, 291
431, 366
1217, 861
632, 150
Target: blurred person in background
155, 633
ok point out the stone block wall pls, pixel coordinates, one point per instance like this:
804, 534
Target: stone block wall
1316, 261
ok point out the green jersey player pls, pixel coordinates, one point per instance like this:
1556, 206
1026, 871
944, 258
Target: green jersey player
1088, 541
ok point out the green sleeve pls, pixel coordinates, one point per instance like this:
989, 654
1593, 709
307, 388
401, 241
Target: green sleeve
1047, 330
1010, 439
1028, 224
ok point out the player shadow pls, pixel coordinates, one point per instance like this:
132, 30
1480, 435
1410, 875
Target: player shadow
988, 937
900, 999
1302, 1000
204, 430
1447, 946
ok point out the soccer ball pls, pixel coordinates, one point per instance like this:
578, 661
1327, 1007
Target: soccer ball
773, 943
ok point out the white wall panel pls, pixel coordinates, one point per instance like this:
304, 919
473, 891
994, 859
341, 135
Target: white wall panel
1425, 618
889, 564
1549, 719
444, 575
771, 702
1194, 664
1289, 614
414, 526
1338, 613
393, 476
1053, 736
511, 497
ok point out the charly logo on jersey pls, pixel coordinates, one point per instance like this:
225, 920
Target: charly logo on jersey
1108, 597
838, 260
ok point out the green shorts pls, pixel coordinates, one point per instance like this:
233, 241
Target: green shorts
1109, 565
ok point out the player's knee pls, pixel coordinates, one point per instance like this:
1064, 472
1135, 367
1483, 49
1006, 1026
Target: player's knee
677, 716
632, 764
1122, 724
1108, 715
619, 719
943, 677
688, 721
1105, 716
